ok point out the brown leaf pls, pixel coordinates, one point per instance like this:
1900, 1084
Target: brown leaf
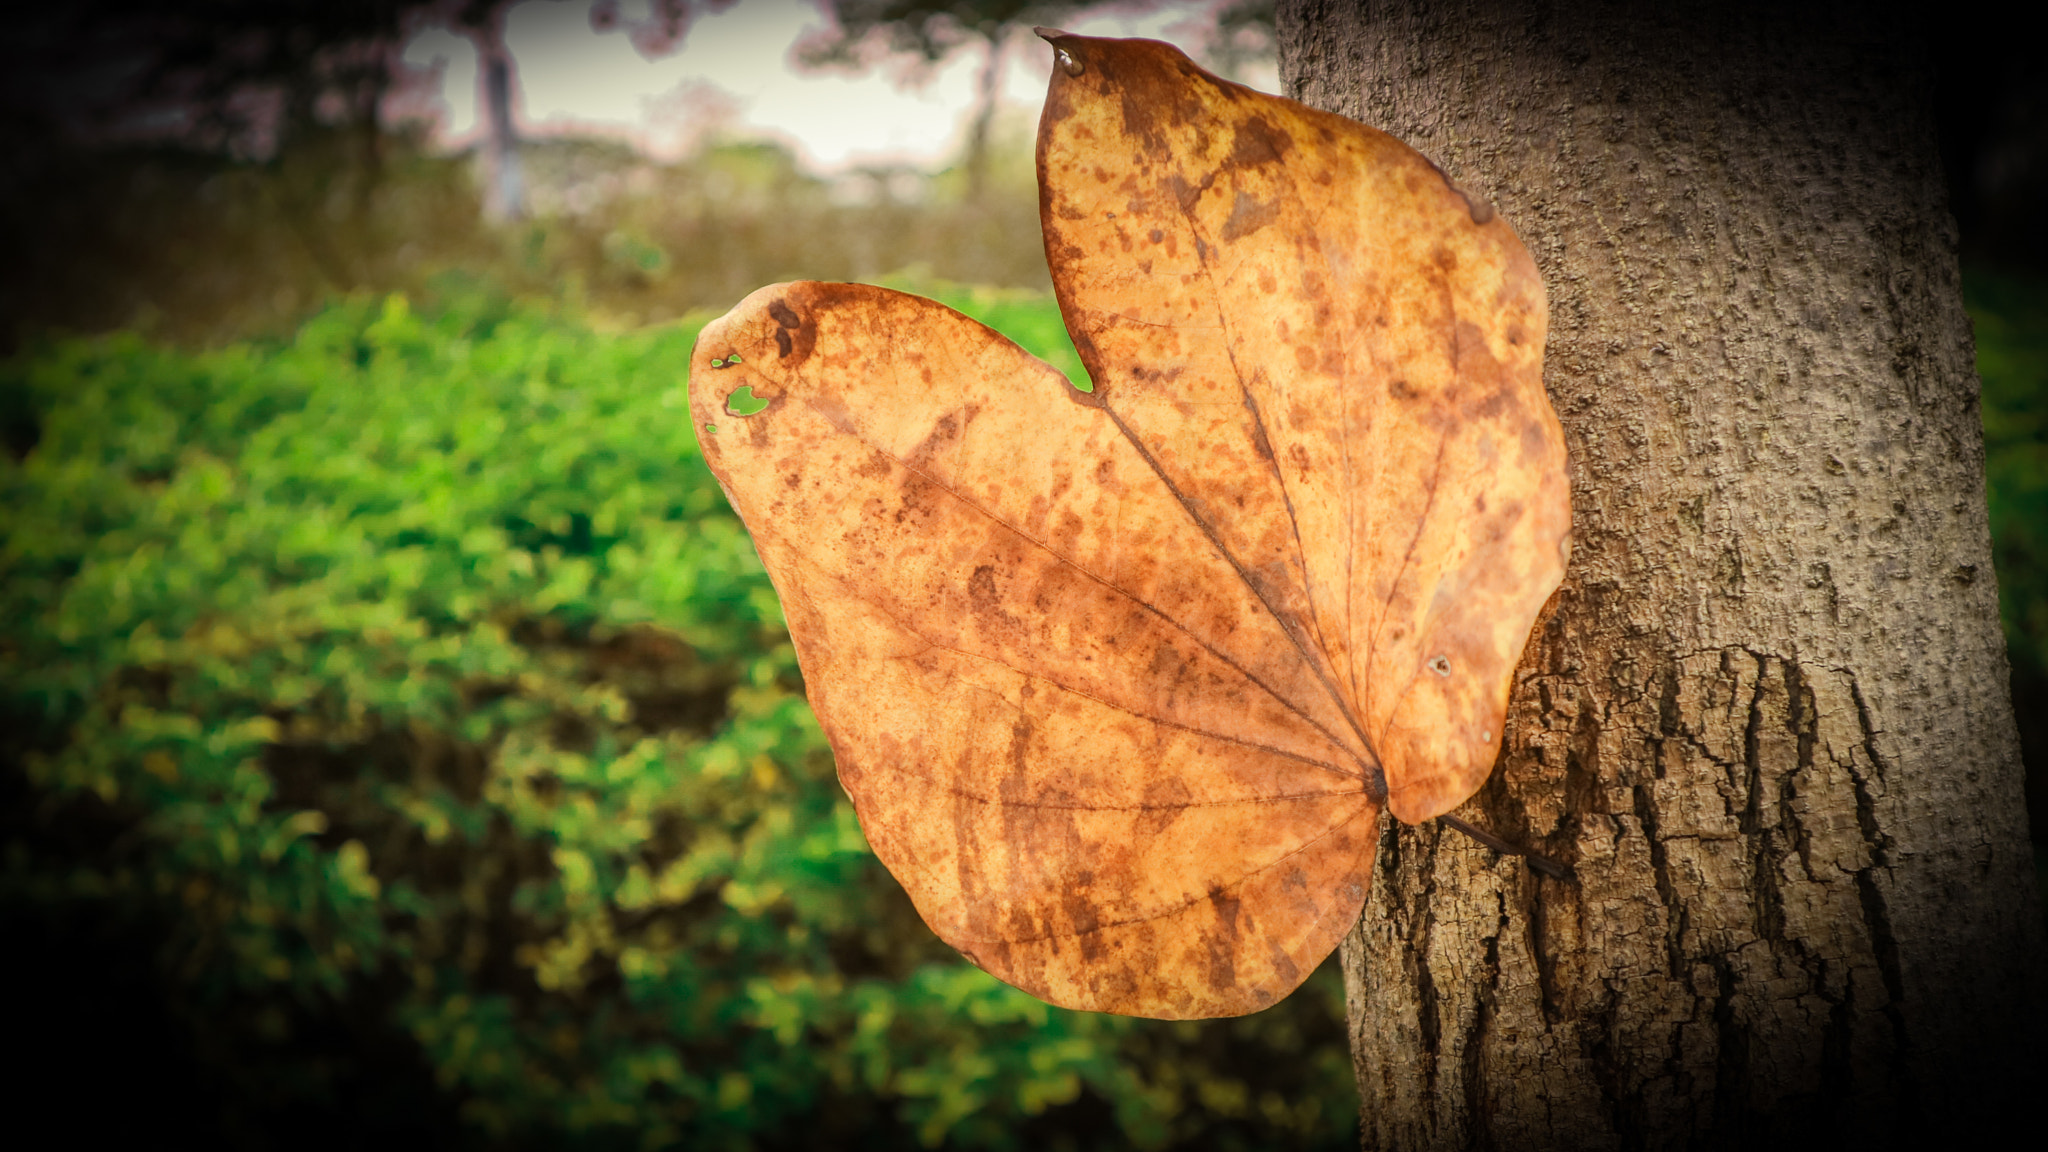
1120, 682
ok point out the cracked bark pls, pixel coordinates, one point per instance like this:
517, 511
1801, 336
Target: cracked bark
1766, 718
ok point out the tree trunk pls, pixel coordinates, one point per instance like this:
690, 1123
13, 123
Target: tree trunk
985, 95
504, 178
1766, 719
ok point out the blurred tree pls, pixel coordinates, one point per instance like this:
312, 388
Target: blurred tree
933, 30
1243, 33
247, 79
504, 182
656, 32
218, 168
243, 79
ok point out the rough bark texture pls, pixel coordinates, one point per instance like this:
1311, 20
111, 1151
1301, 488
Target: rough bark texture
1766, 718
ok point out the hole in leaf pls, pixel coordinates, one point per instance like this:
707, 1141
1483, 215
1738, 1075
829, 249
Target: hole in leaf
1440, 664
743, 402
710, 427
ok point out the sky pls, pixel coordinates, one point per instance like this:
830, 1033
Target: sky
734, 73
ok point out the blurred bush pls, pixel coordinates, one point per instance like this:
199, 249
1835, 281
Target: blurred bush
2010, 316
410, 682
2009, 311
193, 250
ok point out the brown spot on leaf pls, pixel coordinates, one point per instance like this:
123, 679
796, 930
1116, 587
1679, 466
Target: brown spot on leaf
1222, 957
1247, 216
981, 587
1255, 141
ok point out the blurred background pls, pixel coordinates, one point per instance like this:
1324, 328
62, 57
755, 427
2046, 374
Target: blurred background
399, 741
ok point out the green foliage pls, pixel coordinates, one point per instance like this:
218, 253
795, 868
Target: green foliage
426, 676
2010, 315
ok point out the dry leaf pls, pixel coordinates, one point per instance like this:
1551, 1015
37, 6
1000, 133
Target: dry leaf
1119, 682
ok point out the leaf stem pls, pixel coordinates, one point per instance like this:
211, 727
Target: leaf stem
1537, 860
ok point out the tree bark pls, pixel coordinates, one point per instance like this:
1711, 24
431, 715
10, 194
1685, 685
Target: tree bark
1766, 719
